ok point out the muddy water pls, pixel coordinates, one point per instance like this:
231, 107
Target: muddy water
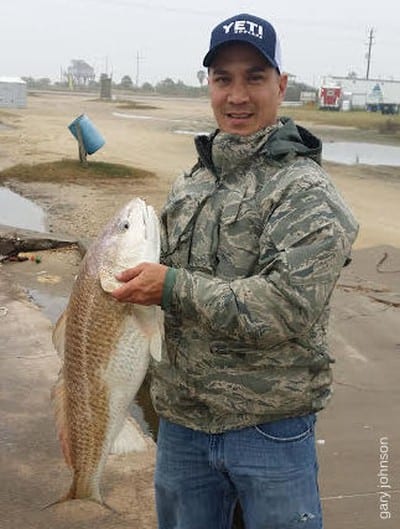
20, 212
364, 153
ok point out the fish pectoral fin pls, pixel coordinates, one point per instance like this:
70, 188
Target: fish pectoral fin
157, 337
151, 322
108, 281
129, 439
59, 334
155, 346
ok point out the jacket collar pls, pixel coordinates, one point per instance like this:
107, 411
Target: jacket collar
221, 152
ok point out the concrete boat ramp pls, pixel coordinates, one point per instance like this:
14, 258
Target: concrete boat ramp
358, 435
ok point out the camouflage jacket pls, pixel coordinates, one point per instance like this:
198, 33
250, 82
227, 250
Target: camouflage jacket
255, 237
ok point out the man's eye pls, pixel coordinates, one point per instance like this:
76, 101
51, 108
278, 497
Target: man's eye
221, 80
256, 78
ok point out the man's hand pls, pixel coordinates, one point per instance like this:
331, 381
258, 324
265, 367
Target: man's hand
143, 284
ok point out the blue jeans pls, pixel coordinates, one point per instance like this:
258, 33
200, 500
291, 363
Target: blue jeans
271, 469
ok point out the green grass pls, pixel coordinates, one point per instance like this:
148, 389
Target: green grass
71, 171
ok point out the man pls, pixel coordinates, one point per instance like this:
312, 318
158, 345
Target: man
253, 241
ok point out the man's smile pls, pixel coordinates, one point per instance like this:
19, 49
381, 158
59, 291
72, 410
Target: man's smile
239, 115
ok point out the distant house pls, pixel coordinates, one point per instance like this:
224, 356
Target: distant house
12, 92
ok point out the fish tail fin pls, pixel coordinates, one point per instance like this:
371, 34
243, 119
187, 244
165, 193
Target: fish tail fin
58, 398
83, 489
129, 439
64, 498
72, 495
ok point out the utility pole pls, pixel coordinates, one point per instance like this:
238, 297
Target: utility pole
370, 42
138, 59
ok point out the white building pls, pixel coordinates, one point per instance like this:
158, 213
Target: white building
12, 92
360, 92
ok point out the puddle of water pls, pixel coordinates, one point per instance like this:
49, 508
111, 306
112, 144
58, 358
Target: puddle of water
191, 132
366, 153
346, 152
136, 116
20, 212
52, 306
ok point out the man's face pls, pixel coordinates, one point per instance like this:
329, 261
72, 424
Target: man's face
245, 90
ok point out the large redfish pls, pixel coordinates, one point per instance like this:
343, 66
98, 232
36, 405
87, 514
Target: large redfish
106, 347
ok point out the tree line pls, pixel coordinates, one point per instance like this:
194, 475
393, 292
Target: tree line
167, 87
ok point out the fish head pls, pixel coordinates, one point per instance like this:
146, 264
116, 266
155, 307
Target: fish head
131, 237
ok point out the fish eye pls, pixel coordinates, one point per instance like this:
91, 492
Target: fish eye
124, 226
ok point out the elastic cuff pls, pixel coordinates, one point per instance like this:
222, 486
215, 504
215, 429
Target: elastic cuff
167, 288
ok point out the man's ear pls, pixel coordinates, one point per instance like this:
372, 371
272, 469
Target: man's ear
283, 81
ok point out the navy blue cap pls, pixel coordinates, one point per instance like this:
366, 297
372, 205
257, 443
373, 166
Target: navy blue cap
247, 28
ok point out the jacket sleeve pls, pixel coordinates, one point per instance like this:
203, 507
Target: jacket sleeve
303, 247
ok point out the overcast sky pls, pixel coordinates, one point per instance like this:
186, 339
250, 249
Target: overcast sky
40, 37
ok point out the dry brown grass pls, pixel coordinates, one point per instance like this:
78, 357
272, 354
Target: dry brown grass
126, 104
6, 114
134, 105
358, 119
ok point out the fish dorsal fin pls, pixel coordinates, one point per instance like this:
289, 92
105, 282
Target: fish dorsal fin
59, 334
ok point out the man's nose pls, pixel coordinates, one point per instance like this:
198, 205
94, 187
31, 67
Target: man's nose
238, 93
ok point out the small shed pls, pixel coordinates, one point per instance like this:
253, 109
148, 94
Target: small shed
12, 92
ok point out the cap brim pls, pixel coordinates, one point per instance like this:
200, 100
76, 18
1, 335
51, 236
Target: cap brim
209, 57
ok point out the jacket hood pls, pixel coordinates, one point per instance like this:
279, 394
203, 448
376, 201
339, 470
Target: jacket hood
291, 139
283, 144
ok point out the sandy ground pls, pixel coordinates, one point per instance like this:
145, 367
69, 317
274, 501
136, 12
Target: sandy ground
364, 332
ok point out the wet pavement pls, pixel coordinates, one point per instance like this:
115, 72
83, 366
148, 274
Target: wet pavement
32, 468
358, 426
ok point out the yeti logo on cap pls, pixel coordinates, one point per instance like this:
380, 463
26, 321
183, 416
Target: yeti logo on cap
244, 26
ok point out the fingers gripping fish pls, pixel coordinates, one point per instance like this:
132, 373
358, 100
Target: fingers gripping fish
106, 348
